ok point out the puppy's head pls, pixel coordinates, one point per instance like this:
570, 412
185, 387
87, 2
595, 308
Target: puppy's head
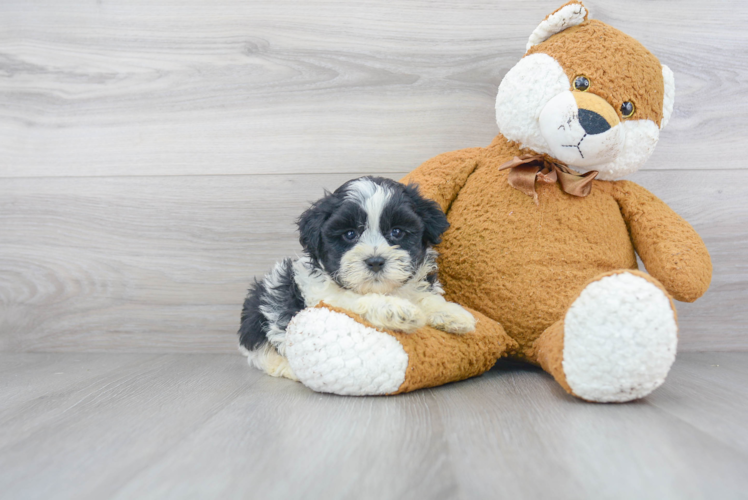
371, 234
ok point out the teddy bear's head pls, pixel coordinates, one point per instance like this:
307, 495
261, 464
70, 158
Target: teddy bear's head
586, 94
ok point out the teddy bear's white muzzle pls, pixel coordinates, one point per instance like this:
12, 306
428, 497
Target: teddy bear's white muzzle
581, 129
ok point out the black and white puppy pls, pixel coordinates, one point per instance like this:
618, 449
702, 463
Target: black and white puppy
367, 249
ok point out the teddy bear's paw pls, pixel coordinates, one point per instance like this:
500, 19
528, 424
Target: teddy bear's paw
331, 352
393, 313
620, 338
452, 318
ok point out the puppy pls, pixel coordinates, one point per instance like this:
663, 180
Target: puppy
367, 249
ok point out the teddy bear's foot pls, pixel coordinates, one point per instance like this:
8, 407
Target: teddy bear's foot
331, 350
616, 342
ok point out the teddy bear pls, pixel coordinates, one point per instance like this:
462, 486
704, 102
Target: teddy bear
543, 236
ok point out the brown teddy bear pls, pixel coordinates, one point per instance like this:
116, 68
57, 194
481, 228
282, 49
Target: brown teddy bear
543, 238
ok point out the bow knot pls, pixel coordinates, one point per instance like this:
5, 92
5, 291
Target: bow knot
527, 169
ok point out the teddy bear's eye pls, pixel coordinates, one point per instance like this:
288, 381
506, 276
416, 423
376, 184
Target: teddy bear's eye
581, 83
627, 109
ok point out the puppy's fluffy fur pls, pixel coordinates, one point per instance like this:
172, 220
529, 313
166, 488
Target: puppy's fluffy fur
367, 249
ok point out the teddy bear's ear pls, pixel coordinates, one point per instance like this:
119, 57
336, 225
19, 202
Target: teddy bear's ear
568, 15
669, 100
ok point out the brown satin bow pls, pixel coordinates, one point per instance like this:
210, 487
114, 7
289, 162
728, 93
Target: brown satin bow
526, 169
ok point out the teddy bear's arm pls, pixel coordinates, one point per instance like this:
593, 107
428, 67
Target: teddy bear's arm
670, 248
442, 177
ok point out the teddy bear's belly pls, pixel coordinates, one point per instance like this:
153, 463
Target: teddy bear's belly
522, 264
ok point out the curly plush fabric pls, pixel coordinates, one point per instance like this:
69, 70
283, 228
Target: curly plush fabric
555, 282
567, 15
522, 264
627, 316
333, 350
671, 250
615, 75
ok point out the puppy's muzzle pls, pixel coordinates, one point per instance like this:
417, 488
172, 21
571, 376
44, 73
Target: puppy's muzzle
375, 264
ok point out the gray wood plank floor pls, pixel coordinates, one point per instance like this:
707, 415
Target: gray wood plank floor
207, 426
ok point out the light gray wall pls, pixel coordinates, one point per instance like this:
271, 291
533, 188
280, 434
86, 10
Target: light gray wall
154, 154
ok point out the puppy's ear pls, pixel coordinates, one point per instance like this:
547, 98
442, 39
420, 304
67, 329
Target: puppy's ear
310, 225
434, 220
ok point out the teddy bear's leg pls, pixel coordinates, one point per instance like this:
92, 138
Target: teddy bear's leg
616, 342
335, 351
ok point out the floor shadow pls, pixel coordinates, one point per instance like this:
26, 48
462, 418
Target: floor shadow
510, 365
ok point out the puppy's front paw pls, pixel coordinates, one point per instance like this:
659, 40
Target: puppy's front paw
393, 313
452, 318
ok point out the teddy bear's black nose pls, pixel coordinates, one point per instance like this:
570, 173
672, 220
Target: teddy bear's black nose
592, 123
375, 263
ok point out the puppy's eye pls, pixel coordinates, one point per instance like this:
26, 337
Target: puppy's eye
397, 233
581, 83
350, 235
628, 109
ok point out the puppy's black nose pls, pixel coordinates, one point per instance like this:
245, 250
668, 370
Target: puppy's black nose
375, 263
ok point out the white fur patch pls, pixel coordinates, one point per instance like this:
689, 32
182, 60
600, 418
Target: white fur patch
531, 85
356, 275
640, 139
669, 99
406, 308
566, 17
620, 339
567, 139
267, 359
373, 198
330, 352
523, 94
620, 151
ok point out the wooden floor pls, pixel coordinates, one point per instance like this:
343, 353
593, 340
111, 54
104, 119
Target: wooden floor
207, 426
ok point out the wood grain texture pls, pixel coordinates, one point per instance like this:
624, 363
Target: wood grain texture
711, 380
153, 155
111, 422
161, 264
143, 263
234, 87
207, 426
